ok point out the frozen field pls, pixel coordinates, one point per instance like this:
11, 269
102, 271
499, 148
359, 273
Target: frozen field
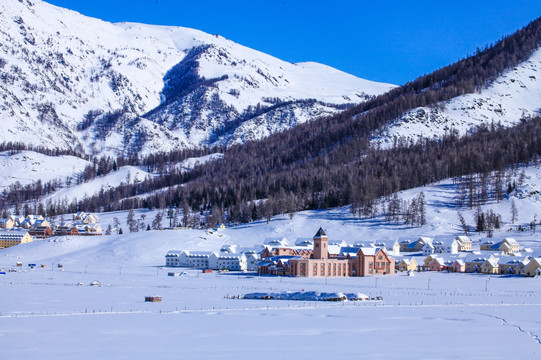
47, 313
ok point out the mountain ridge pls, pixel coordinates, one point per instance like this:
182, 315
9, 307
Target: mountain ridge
60, 68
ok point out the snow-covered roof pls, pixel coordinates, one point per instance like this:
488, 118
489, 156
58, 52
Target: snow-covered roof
304, 242
276, 241
349, 250
443, 240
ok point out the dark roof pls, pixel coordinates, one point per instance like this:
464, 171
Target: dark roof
320, 233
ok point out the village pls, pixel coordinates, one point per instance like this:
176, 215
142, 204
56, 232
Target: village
18, 229
321, 257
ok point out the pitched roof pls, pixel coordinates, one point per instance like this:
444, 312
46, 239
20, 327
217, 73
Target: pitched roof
320, 233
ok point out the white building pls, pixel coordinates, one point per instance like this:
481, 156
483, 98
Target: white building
206, 260
226, 261
445, 245
428, 249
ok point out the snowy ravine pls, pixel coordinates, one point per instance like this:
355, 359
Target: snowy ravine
68, 81
512, 96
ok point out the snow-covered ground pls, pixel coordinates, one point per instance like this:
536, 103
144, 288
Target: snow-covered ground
27, 167
124, 175
55, 313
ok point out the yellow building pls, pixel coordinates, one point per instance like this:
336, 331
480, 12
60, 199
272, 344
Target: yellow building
12, 238
407, 265
490, 266
533, 268
7, 223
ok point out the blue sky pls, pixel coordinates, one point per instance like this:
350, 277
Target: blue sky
389, 41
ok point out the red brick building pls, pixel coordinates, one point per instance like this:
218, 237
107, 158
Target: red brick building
354, 261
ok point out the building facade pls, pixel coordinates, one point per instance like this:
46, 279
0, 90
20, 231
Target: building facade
360, 261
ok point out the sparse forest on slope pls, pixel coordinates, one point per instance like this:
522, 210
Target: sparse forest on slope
329, 162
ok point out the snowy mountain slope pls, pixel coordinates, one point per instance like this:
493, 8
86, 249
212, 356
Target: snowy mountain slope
27, 167
124, 175
511, 97
68, 80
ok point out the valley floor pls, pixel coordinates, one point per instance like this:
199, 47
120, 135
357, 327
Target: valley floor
53, 314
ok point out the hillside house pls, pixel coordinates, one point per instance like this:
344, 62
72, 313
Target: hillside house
428, 249
407, 264
464, 243
521, 267
490, 266
7, 223
392, 247
507, 245
508, 264
65, 231
90, 219
474, 262
408, 245
458, 266
437, 264
533, 268
428, 260
79, 216
445, 245
41, 232
9, 238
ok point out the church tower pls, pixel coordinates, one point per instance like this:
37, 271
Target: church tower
321, 245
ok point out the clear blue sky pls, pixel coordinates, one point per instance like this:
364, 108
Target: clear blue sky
389, 41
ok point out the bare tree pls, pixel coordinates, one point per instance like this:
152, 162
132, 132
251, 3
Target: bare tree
463, 224
514, 211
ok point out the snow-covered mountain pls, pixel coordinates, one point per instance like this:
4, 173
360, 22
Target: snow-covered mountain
512, 96
67, 80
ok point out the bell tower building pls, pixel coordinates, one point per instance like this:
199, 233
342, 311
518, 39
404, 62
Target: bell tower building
321, 245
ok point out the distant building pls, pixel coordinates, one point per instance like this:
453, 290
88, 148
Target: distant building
407, 264
408, 245
65, 231
348, 261
206, 260
445, 245
7, 223
507, 245
9, 238
533, 268
41, 232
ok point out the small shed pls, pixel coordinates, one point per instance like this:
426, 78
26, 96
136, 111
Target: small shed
153, 299
207, 271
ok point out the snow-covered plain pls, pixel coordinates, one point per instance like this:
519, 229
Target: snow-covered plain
55, 313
